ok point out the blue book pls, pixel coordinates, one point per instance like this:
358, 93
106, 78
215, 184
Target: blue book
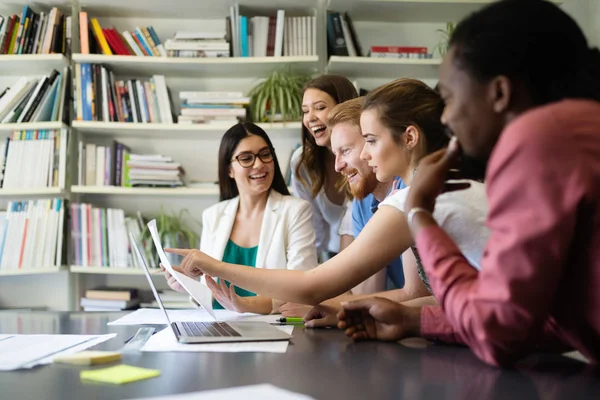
244, 35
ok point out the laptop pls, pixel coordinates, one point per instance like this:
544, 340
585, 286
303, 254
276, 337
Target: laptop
212, 332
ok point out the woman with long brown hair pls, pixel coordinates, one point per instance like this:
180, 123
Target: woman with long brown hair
313, 165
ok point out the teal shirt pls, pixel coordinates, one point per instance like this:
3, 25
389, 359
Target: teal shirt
235, 254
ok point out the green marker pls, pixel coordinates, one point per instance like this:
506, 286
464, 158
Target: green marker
289, 320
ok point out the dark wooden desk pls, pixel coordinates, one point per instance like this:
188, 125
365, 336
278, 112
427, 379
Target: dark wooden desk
320, 363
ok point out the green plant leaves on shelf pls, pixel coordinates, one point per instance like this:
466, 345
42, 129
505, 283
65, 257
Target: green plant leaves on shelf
278, 97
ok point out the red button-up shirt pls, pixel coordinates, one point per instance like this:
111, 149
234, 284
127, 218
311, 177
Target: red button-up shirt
539, 286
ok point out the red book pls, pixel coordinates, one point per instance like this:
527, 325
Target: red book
120, 42
397, 49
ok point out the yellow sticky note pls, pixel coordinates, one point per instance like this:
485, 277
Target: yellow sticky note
119, 374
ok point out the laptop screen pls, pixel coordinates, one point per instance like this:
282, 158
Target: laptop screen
138, 254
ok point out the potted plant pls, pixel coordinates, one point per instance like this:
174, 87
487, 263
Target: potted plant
278, 98
174, 231
442, 46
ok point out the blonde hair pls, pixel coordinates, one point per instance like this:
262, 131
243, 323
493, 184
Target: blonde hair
348, 111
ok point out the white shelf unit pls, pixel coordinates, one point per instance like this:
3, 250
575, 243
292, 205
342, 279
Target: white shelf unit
197, 67
31, 271
111, 271
378, 22
31, 64
388, 68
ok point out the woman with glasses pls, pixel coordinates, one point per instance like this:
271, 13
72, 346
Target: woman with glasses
256, 223
400, 122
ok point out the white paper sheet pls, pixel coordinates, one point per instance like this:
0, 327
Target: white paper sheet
154, 316
27, 351
263, 392
165, 341
200, 292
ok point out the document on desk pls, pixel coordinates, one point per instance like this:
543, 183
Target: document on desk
27, 351
154, 316
199, 291
165, 341
264, 391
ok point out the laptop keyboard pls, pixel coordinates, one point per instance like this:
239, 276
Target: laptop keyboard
212, 329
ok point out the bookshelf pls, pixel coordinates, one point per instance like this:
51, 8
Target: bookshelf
377, 22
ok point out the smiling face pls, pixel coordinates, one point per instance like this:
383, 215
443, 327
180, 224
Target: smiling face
347, 144
387, 157
257, 178
316, 104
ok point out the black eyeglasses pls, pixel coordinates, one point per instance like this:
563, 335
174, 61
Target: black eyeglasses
247, 160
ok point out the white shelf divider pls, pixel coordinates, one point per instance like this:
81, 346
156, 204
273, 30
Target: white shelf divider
173, 131
31, 64
30, 126
249, 67
111, 270
31, 271
384, 68
48, 191
143, 191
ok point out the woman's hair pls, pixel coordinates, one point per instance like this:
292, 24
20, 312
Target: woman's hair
405, 102
313, 157
229, 142
348, 111
532, 42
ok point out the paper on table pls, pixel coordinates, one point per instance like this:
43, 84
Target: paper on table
154, 316
200, 292
165, 341
264, 392
27, 351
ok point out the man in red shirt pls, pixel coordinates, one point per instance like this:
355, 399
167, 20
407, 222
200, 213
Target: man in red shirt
533, 118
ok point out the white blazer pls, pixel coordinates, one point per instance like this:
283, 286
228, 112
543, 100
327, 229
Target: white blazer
287, 237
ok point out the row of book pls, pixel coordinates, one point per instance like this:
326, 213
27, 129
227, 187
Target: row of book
116, 166
99, 97
34, 159
264, 36
31, 234
35, 33
100, 237
223, 108
36, 99
108, 41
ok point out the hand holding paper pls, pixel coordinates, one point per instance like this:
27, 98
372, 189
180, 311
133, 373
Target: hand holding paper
197, 290
196, 263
